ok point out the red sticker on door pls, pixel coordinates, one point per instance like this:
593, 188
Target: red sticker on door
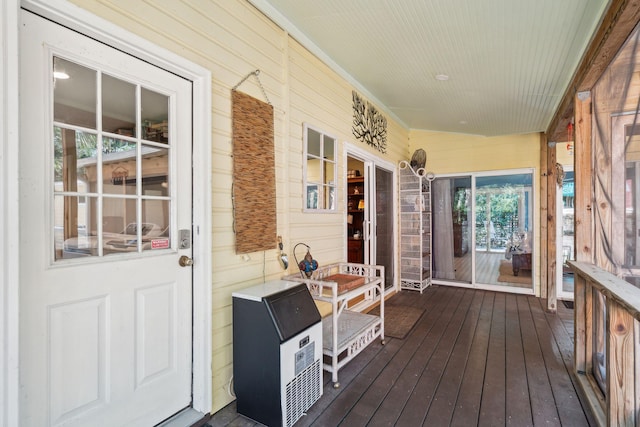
159, 243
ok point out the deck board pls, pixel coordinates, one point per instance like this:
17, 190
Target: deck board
474, 358
492, 408
565, 396
518, 407
470, 395
543, 406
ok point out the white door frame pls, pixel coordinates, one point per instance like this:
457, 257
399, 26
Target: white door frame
366, 156
9, 265
78, 19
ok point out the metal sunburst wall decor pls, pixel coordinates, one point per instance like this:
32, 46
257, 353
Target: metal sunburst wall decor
369, 125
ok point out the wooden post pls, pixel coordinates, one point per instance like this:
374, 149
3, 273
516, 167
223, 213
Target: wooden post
620, 366
544, 147
583, 170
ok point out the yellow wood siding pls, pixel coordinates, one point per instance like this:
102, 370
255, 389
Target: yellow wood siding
231, 38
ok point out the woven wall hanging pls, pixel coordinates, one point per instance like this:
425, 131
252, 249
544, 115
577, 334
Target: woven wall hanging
254, 176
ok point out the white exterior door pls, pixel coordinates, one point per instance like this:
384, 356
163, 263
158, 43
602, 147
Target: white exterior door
106, 213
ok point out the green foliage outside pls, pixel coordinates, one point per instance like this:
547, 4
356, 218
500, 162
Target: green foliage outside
503, 208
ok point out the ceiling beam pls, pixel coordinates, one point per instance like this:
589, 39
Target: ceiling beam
617, 24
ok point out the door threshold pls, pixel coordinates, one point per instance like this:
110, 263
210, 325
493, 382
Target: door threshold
188, 417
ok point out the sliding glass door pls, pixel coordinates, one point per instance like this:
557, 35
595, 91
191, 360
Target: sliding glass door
483, 230
371, 220
452, 258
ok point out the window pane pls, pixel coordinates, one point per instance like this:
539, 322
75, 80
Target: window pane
119, 171
329, 148
329, 173
74, 94
313, 143
118, 106
75, 227
155, 116
312, 197
74, 160
314, 171
329, 197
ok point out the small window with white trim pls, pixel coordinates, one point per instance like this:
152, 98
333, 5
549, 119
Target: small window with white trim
319, 170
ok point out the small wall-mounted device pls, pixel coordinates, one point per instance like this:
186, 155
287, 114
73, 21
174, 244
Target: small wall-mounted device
184, 239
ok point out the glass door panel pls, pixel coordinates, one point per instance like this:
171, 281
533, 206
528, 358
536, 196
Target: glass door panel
384, 223
504, 230
452, 229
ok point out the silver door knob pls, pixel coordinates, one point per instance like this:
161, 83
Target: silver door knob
185, 261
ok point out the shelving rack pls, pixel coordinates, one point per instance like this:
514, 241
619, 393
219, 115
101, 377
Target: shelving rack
415, 227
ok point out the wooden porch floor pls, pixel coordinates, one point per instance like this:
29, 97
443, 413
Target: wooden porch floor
474, 358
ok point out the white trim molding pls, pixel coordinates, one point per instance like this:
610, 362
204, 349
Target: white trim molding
9, 215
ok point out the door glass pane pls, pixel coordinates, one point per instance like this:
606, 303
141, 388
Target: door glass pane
118, 106
155, 115
504, 230
155, 220
74, 94
119, 166
74, 159
75, 226
384, 224
155, 171
451, 202
120, 214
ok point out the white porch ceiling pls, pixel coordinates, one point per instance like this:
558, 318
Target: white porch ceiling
508, 61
